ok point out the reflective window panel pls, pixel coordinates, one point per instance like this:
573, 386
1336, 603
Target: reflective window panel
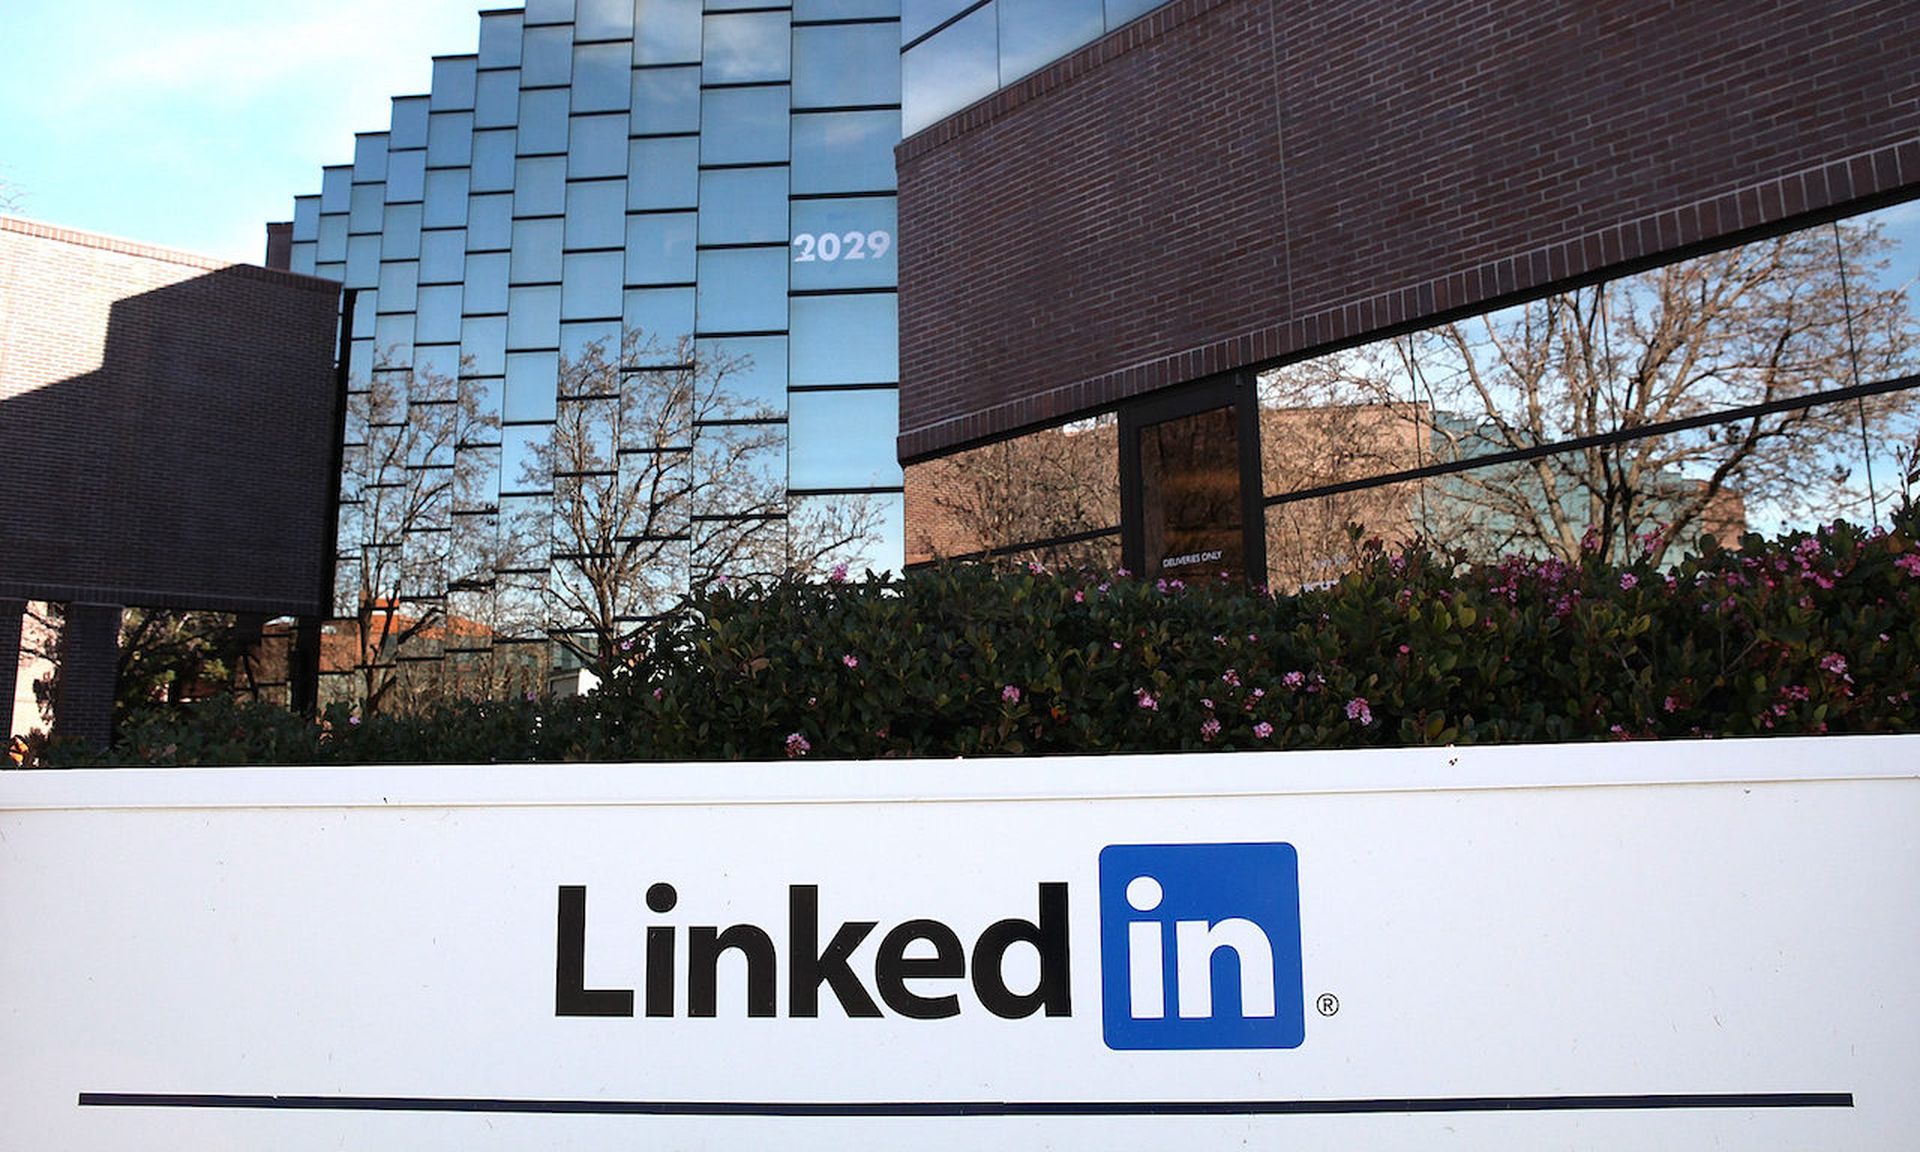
453, 83
602, 77
919, 17
660, 248
744, 125
834, 65
753, 369
536, 251
743, 206
546, 56
950, 70
406, 177
533, 317
742, 290
743, 47
666, 32
497, 104
596, 214
663, 173
844, 151
845, 243
844, 339
603, 19
500, 40
660, 319
540, 186
599, 146
864, 532
843, 439
666, 100
443, 256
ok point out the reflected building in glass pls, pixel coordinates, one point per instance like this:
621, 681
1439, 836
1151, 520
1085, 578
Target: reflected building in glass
621, 308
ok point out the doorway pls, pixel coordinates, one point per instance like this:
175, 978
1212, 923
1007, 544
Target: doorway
1190, 494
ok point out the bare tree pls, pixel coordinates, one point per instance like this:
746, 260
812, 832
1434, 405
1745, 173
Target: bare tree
1017, 494
398, 487
12, 199
1309, 439
1766, 321
664, 479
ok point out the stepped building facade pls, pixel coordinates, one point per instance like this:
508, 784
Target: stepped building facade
622, 310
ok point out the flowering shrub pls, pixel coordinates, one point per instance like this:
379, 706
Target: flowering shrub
1809, 633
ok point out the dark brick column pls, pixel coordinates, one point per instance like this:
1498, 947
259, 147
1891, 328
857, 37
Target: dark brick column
11, 613
89, 672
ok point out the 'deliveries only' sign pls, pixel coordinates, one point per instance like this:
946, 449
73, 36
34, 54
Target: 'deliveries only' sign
1643, 946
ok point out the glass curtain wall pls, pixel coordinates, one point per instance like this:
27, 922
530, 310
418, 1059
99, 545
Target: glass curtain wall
1768, 387
623, 322
954, 52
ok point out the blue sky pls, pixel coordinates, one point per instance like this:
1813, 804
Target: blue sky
193, 124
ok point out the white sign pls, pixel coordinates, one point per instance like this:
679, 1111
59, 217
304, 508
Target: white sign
1647, 946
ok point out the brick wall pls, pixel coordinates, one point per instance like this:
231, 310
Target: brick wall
1233, 182
167, 423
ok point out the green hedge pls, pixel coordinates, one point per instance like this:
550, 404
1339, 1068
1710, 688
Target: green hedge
1804, 634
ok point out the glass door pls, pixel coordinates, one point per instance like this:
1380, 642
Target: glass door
1190, 484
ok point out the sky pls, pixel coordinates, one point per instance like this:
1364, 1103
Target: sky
191, 125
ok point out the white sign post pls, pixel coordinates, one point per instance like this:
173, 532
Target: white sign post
1646, 946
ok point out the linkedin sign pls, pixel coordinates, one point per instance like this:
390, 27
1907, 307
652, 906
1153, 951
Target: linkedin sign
1635, 946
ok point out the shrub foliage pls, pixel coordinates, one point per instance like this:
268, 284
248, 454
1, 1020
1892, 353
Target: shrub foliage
1808, 633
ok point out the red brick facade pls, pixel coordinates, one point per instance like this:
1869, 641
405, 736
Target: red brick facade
167, 424
1227, 183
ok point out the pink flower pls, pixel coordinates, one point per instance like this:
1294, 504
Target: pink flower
1404, 649
1670, 705
1359, 711
1628, 581
1035, 568
850, 660
797, 745
1263, 730
1294, 680
1010, 694
1835, 663
1209, 728
659, 694
1231, 678
1079, 597
839, 574
1910, 564
1146, 700
1207, 703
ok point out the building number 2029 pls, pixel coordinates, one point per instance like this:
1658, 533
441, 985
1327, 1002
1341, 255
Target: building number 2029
832, 246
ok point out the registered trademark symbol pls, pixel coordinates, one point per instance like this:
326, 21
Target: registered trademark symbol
1328, 1004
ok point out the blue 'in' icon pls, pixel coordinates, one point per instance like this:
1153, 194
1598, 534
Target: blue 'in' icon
1200, 946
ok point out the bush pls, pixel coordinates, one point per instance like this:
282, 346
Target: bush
1808, 633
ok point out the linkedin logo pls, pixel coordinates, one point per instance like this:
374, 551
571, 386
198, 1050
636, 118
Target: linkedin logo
1200, 946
